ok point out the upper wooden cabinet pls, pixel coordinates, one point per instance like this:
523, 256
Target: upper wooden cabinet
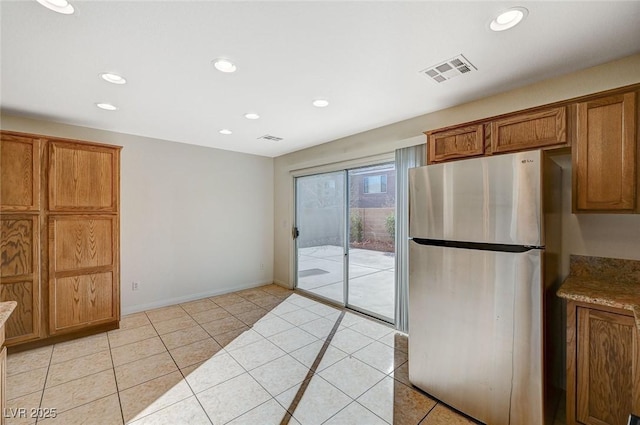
605, 155
602, 130
19, 173
83, 177
533, 129
455, 143
529, 130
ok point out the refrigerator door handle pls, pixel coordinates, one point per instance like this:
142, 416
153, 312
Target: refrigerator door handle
479, 246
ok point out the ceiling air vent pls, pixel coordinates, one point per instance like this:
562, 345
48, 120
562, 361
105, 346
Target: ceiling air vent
448, 69
270, 137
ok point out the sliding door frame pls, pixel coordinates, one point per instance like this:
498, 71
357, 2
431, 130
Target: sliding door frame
345, 240
345, 166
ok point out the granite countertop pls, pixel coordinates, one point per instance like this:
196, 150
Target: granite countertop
602, 281
6, 308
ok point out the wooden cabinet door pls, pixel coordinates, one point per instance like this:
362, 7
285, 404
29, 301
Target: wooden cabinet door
20, 274
19, 173
605, 155
456, 143
83, 178
529, 130
608, 378
83, 271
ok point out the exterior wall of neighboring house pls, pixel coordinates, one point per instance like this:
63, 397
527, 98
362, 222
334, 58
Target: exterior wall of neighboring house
372, 199
373, 190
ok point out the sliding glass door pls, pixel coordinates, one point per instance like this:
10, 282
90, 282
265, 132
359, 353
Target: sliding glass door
345, 247
320, 242
372, 209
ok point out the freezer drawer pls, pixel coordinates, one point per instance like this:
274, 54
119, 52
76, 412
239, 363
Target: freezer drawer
489, 200
475, 321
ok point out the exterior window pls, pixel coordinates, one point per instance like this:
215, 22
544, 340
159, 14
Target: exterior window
375, 184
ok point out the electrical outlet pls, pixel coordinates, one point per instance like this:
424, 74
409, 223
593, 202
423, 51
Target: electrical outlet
135, 286
261, 266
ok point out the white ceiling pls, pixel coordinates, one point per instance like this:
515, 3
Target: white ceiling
364, 57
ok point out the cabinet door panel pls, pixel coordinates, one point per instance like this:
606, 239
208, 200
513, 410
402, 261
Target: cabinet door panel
83, 271
82, 300
20, 274
605, 155
606, 367
83, 178
19, 173
456, 143
529, 130
82, 242
16, 246
22, 324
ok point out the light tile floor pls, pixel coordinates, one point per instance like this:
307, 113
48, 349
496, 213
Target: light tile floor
237, 358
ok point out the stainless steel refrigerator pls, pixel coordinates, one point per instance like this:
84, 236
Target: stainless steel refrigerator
477, 282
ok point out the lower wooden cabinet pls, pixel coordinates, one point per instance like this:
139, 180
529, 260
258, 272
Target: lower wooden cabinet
603, 365
82, 300
83, 271
20, 274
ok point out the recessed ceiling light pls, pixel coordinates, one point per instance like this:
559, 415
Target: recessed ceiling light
321, 103
224, 65
225, 131
107, 106
251, 116
113, 78
60, 6
508, 19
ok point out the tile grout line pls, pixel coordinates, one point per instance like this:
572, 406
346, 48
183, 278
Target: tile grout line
229, 354
44, 385
182, 373
55, 386
179, 370
305, 383
115, 379
172, 359
222, 348
355, 400
428, 412
110, 348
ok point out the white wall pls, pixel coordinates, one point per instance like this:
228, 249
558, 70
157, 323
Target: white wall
595, 235
195, 221
599, 235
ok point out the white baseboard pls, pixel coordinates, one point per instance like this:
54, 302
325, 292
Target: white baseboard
192, 297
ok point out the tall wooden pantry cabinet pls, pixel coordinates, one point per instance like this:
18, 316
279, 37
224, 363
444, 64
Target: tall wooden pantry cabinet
59, 237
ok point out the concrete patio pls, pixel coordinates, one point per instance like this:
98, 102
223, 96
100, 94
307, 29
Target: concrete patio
371, 277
